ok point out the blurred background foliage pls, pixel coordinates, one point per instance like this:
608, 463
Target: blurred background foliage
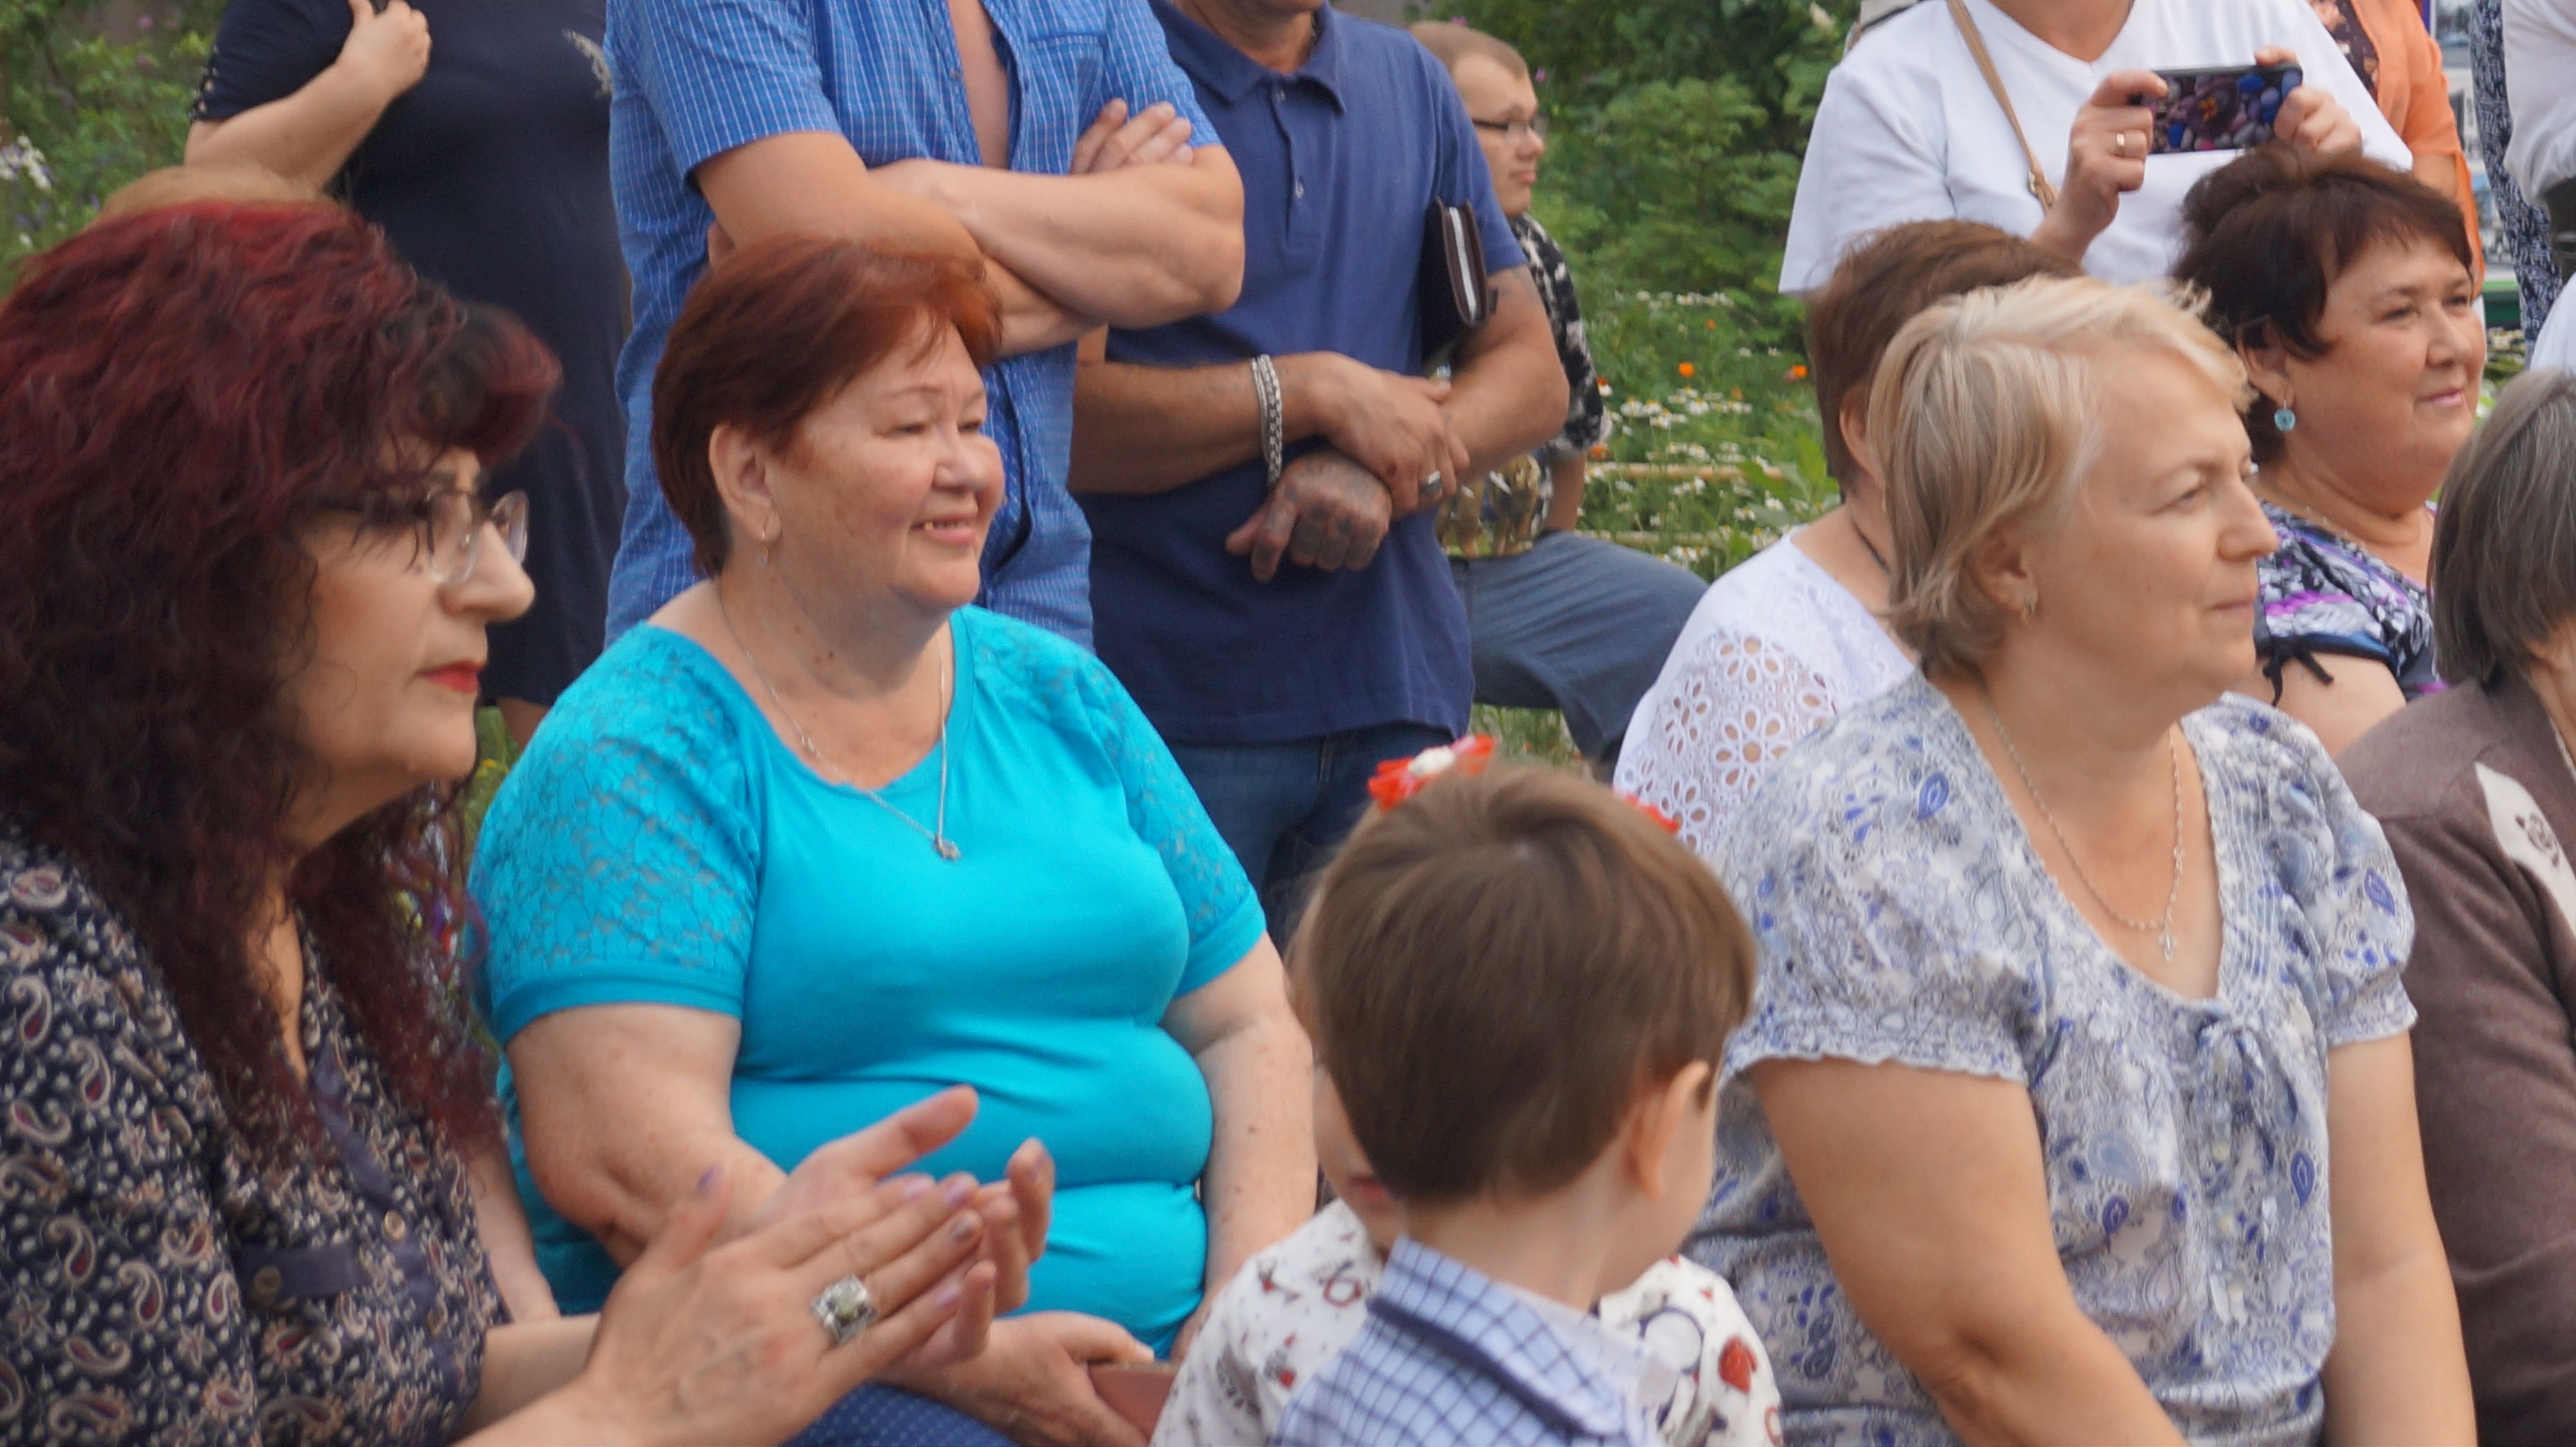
92, 94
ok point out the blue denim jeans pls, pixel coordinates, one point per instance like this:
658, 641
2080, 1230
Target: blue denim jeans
1575, 624
1283, 808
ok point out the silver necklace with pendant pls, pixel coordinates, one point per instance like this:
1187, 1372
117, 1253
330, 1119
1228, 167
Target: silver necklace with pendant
2162, 925
937, 834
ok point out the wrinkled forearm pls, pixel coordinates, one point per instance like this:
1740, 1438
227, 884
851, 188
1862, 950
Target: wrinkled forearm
1260, 1182
1135, 247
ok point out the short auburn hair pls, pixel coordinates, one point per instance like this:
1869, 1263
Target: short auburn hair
1495, 969
1880, 286
1986, 416
2267, 234
768, 338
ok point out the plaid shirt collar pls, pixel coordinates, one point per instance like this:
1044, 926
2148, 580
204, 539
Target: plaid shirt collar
1477, 1319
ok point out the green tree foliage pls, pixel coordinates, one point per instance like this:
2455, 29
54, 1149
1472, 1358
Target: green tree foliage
1679, 128
82, 113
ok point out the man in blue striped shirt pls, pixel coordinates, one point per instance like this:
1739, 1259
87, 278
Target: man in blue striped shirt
928, 125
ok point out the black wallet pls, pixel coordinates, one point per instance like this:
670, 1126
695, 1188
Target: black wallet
1450, 288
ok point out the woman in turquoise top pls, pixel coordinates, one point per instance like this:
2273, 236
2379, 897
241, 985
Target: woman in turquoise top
820, 840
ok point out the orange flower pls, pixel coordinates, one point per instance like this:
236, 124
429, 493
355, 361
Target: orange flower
1687, 369
1798, 373
1600, 451
1712, 324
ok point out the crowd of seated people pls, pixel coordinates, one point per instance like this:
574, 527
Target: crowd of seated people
2082, 954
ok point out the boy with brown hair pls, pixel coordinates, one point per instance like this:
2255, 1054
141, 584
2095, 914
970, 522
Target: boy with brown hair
1520, 986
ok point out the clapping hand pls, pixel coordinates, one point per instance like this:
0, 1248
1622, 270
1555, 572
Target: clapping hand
707, 1343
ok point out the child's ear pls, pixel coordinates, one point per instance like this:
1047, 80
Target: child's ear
1661, 1112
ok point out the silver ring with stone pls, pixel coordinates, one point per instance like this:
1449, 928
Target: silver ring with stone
845, 1309
1435, 486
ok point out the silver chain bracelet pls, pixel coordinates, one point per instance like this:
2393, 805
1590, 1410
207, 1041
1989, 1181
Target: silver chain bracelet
1274, 417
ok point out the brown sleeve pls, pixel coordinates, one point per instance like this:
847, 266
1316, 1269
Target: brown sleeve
2496, 1089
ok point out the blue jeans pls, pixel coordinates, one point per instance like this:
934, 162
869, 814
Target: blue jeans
1283, 808
1576, 624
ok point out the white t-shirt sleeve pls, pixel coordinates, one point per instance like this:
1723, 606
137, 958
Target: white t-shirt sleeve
1870, 164
2540, 80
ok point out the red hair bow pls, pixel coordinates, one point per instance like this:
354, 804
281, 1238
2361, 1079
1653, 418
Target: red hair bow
1400, 779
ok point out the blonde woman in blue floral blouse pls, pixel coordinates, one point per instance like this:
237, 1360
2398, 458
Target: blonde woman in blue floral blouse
2076, 1102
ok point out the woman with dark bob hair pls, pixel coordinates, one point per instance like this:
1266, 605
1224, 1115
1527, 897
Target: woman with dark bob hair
821, 838
2478, 795
245, 578
2352, 297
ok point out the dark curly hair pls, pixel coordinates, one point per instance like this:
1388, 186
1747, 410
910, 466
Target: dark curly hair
180, 390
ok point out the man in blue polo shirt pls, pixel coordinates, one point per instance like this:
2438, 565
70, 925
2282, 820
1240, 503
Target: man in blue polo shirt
1281, 687
927, 125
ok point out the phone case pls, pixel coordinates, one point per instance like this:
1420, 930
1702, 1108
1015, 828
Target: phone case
2226, 108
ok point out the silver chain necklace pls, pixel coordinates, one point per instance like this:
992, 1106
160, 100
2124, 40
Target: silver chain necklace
2162, 925
937, 834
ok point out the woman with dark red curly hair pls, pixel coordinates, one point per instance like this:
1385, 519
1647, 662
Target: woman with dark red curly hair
245, 577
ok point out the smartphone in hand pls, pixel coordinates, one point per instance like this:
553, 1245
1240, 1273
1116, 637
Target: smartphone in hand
2223, 108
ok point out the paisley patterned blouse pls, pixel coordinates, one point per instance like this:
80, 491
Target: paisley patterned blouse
1901, 915
160, 1282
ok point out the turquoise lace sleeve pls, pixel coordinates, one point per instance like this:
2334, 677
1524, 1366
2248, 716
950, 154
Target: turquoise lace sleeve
619, 862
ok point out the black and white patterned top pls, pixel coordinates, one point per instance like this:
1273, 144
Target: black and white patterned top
163, 1282
1501, 514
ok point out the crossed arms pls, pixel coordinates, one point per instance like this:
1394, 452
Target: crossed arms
1151, 233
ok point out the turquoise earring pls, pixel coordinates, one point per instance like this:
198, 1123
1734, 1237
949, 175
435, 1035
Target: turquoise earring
2285, 420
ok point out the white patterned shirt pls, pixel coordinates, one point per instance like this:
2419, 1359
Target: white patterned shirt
1293, 1307
1775, 649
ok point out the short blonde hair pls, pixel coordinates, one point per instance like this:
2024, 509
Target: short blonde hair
1984, 418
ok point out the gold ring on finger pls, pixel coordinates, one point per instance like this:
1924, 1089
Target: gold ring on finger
2120, 144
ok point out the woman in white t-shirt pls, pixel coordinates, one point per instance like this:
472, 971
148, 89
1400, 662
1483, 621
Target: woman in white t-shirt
1780, 645
1908, 129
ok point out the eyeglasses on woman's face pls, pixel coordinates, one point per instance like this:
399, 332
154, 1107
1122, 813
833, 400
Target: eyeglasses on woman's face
1515, 131
449, 525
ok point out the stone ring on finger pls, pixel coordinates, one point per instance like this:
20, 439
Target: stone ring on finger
845, 1309
1433, 485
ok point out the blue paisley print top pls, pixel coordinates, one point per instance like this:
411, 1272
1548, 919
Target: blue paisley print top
162, 1282
1902, 916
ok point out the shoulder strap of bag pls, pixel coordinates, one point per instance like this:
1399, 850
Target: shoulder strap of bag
2039, 186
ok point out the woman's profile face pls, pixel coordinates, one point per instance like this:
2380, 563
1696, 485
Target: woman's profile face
2153, 562
893, 483
384, 700
2396, 391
